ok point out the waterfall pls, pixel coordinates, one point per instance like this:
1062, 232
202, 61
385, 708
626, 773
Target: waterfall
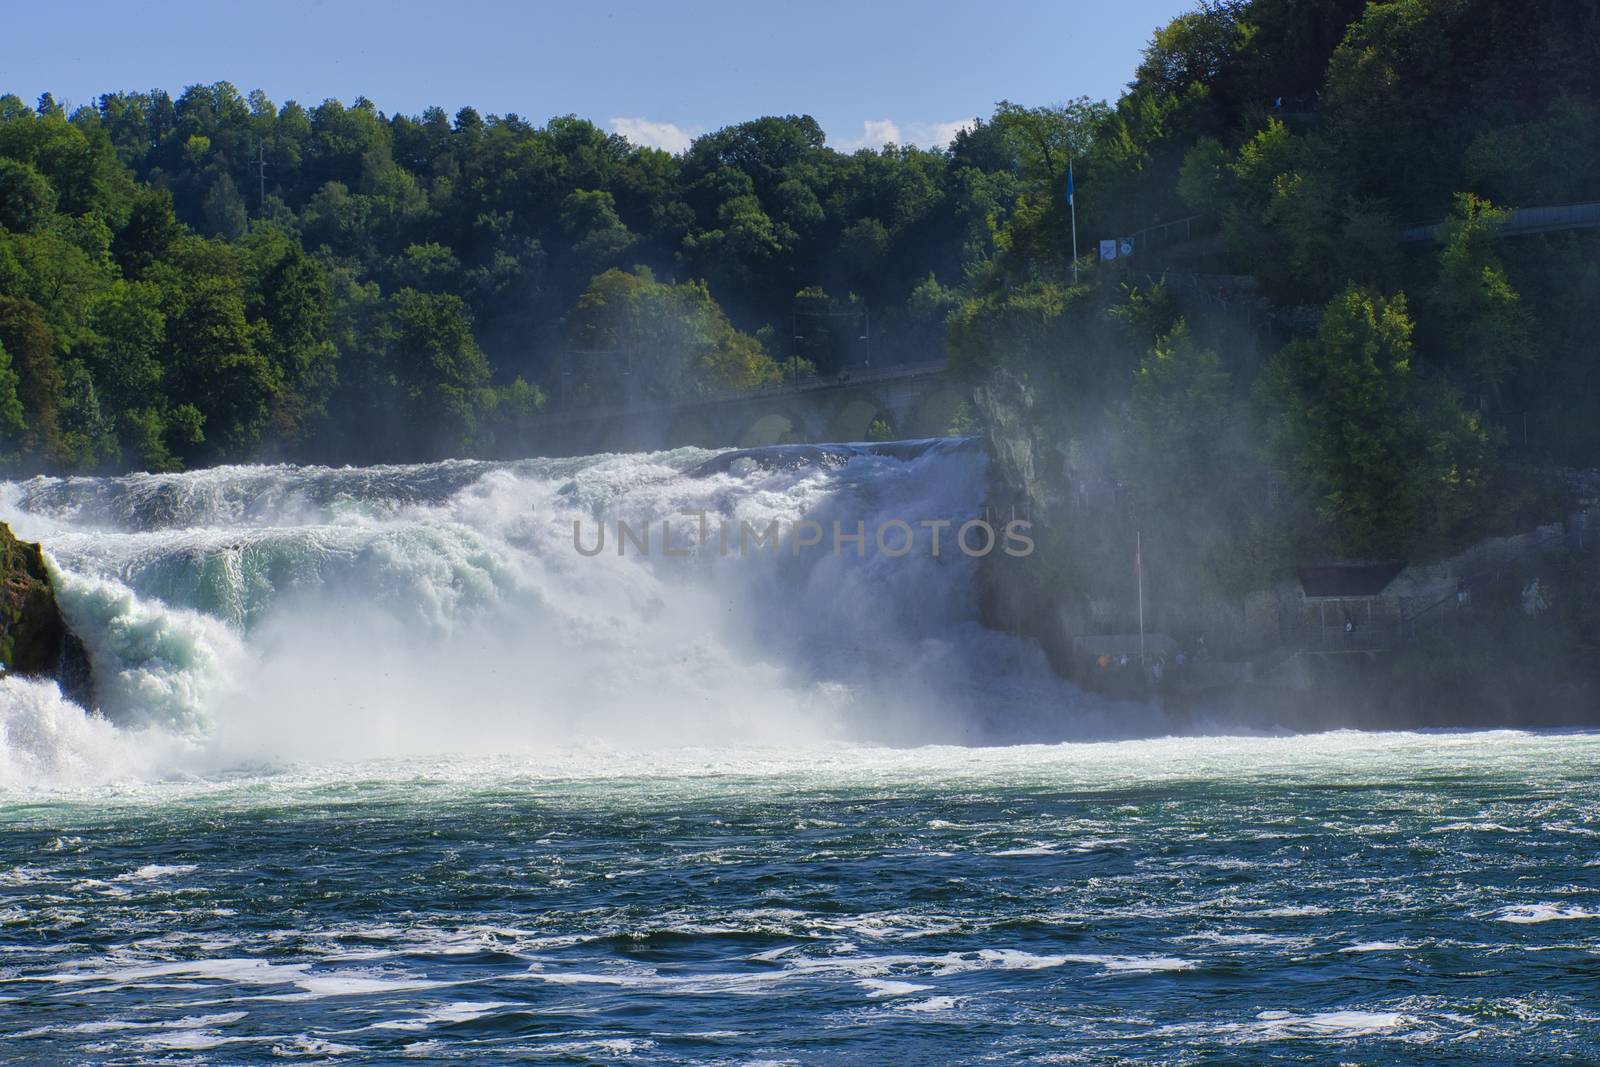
242, 615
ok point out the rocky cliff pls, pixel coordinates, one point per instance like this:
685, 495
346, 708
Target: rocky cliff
35, 639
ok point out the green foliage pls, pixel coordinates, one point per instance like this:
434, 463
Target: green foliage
1147, 315
1020, 327
26, 198
589, 220
965, 421
25, 335
1283, 211
1047, 142
1188, 450
1193, 49
213, 365
11, 417
1046, 139
1546, 158
661, 341
223, 209
151, 231
1484, 323
919, 328
414, 286
312, 324
1388, 460
1181, 406
438, 370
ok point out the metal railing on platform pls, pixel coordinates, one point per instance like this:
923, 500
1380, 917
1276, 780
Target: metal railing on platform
1362, 637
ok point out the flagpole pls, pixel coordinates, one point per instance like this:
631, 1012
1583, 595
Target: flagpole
1072, 202
1138, 570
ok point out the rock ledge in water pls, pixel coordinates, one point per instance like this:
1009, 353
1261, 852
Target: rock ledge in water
34, 637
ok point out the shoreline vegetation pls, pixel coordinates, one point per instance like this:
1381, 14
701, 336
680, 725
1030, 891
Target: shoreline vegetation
1280, 375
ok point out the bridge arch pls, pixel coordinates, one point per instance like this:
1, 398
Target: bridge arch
770, 428
937, 411
692, 428
853, 418
910, 401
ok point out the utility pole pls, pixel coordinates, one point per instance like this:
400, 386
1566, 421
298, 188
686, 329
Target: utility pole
1072, 202
866, 333
261, 161
1138, 571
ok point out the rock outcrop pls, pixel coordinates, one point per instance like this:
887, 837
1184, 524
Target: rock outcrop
35, 639
1022, 596
1021, 461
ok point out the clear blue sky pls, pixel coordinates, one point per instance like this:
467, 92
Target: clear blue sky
655, 70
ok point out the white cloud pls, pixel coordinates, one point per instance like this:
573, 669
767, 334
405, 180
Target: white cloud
664, 135
945, 132
875, 133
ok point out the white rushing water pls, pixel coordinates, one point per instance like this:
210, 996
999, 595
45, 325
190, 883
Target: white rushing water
384, 767
249, 616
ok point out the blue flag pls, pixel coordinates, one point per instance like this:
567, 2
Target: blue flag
1069, 184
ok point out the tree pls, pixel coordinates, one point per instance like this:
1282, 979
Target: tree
12, 423
1285, 210
131, 334
590, 222
1485, 326
429, 268
288, 305
921, 327
508, 415
646, 339
738, 250
26, 199
1187, 453
769, 150
439, 370
213, 365
1045, 139
863, 255
88, 433
81, 169
224, 210
149, 234
1192, 49
1048, 142
1390, 462
24, 334
1018, 327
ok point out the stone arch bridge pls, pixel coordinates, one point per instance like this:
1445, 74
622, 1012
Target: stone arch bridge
910, 400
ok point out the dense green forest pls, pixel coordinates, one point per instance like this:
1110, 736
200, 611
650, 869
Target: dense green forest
1287, 379
219, 278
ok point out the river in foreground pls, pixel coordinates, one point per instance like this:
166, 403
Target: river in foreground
1373, 898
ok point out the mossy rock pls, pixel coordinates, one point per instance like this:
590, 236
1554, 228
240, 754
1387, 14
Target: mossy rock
34, 637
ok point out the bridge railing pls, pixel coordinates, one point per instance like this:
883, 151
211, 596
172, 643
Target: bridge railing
1523, 221
853, 377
